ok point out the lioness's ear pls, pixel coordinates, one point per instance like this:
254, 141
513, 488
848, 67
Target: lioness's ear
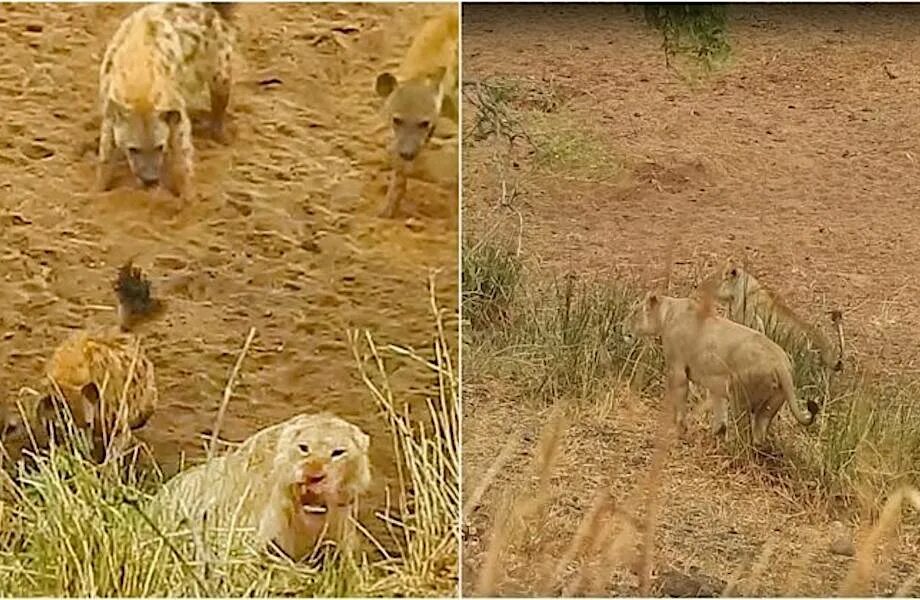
385, 84
171, 117
361, 439
733, 272
653, 300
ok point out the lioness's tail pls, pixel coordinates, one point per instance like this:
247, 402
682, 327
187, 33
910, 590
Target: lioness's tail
224, 9
788, 387
135, 300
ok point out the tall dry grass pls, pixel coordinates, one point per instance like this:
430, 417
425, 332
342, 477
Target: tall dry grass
72, 527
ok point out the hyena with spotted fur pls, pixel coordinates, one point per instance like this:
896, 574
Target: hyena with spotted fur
161, 59
424, 88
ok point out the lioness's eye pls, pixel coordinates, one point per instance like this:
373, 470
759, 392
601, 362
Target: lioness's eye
159, 147
134, 150
424, 124
338, 452
304, 449
397, 121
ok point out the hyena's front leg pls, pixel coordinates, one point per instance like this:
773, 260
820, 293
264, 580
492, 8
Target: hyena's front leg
396, 189
105, 167
221, 83
179, 164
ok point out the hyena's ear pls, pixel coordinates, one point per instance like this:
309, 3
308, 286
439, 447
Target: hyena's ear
10, 422
449, 108
45, 411
437, 76
90, 392
115, 109
171, 117
385, 84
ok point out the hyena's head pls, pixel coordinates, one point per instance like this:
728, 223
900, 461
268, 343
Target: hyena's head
143, 135
413, 107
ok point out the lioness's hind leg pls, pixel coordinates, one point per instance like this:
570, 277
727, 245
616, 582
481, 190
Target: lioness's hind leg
764, 416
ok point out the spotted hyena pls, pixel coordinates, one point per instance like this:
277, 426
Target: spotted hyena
160, 61
423, 89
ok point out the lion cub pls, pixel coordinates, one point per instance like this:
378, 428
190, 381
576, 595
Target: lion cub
719, 355
297, 483
161, 59
103, 378
749, 303
425, 88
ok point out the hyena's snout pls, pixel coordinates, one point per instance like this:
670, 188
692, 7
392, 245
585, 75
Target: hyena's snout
410, 139
146, 166
408, 149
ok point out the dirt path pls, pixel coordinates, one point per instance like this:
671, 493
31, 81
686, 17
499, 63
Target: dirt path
284, 237
799, 158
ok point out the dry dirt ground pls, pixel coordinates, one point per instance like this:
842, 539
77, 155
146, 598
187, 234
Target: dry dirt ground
800, 157
284, 236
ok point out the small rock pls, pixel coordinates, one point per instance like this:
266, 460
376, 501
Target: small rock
674, 584
841, 540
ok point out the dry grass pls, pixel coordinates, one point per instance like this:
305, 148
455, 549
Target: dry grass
72, 527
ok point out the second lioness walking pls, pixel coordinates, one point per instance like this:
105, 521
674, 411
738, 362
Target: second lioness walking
721, 356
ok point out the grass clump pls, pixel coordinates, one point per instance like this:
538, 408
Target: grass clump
73, 527
491, 273
553, 337
695, 31
563, 145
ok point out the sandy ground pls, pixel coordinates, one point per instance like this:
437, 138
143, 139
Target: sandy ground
799, 158
283, 237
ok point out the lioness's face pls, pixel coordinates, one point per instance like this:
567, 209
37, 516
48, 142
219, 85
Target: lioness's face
728, 284
322, 463
646, 320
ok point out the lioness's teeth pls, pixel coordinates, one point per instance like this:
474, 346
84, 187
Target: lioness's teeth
314, 509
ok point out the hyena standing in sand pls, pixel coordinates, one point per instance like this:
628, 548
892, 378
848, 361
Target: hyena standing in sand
161, 59
424, 88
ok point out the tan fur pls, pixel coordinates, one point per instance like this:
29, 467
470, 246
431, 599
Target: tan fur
296, 483
424, 88
749, 303
101, 377
721, 356
161, 60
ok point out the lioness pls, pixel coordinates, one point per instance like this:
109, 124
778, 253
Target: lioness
750, 304
295, 483
719, 355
